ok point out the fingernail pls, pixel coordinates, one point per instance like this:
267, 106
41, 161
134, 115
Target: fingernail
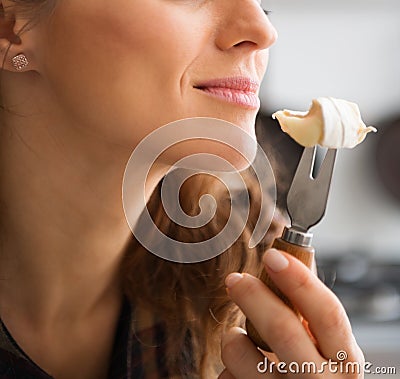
232, 279
275, 260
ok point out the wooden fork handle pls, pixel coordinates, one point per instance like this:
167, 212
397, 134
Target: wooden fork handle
305, 255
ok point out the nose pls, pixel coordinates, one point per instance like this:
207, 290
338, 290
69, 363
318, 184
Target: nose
244, 24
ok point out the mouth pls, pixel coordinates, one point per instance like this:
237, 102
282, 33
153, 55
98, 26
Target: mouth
241, 91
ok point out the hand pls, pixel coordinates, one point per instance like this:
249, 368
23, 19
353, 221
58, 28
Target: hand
320, 339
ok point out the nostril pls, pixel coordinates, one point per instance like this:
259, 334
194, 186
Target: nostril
244, 43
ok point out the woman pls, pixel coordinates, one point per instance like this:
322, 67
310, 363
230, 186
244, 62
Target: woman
82, 84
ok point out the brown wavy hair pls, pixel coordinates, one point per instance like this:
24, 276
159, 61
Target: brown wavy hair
189, 299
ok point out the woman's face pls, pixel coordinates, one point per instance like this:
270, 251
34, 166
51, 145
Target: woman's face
123, 68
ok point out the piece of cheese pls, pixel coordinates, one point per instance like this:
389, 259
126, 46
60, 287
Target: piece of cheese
332, 123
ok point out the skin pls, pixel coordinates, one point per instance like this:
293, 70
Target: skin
325, 331
97, 72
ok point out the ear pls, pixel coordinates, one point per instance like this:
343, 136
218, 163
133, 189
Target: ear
13, 39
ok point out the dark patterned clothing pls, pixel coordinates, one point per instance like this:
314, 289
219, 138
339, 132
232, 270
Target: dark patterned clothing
132, 357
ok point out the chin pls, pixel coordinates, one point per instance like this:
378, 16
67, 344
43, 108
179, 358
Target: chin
204, 143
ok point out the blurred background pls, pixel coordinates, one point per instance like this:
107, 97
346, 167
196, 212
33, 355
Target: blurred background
348, 49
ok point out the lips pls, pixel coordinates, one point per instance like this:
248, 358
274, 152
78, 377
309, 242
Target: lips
241, 91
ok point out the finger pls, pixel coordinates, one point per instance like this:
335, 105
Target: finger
240, 356
307, 328
327, 319
275, 322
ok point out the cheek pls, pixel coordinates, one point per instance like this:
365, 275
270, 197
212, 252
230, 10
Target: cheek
123, 73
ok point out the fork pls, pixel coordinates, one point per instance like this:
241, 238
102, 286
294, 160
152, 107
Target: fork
306, 204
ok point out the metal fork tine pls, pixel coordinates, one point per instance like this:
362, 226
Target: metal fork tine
307, 197
326, 171
306, 163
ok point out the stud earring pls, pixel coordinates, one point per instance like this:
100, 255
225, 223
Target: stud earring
20, 61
